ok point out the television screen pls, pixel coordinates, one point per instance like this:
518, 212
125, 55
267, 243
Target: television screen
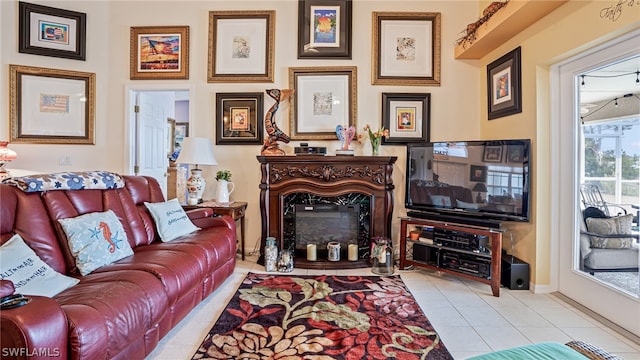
472, 179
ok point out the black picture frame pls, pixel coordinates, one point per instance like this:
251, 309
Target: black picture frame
340, 29
407, 116
478, 173
504, 87
492, 153
515, 153
63, 39
249, 109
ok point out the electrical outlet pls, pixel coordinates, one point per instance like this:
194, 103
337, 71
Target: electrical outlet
64, 160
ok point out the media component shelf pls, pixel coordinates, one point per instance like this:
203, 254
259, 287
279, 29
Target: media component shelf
471, 252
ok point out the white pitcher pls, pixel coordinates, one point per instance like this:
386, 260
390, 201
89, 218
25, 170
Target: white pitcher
223, 190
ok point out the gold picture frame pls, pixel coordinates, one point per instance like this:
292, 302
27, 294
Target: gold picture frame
324, 97
159, 52
51, 106
241, 46
406, 48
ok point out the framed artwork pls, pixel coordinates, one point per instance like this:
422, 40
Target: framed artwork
504, 89
159, 52
492, 153
407, 116
50, 106
478, 173
239, 118
48, 31
171, 134
406, 48
241, 46
324, 29
324, 97
515, 153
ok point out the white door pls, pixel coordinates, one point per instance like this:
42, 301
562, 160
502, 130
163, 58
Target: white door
154, 108
615, 305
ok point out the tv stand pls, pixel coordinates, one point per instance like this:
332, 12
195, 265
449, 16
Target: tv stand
471, 252
465, 220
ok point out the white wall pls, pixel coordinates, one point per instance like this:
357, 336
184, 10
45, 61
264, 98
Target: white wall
454, 113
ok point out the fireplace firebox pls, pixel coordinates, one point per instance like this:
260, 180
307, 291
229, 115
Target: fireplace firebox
317, 199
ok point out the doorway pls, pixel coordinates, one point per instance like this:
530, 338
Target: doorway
150, 113
620, 307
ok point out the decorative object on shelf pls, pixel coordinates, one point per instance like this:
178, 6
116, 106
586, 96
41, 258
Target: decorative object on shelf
159, 52
270, 254
504, 86
345, 135
312, 252
470, 32
6, 155
285, 261
333, 251
375, 138
382, 255
415, 234
224, 180
353, 252
274, 134
480, 188
197, 151
49, 31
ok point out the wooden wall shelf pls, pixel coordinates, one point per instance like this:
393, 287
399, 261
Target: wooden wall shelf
516, 16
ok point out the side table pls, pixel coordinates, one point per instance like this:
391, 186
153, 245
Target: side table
234, 209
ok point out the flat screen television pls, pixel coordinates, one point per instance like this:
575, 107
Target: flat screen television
475, 182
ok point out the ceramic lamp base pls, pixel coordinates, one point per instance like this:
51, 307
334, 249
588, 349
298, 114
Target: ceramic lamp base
195, 187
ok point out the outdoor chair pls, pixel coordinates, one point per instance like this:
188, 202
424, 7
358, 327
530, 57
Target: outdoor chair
591, 197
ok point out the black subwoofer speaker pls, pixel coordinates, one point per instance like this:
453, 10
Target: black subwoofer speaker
515, 273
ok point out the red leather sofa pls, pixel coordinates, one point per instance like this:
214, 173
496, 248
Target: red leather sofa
121, 310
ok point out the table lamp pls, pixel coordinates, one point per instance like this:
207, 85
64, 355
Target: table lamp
480, 188
197, 151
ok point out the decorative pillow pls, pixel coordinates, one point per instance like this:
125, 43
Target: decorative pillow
440, 200
29, 274
67, 181
466, 205
96, 239
609, 226
171, 220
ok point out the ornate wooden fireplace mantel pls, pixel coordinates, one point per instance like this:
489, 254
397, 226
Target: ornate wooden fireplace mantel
325, 176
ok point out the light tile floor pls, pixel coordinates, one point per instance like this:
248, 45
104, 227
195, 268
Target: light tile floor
468, 318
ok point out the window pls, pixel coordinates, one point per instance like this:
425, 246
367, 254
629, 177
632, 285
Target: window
505, 181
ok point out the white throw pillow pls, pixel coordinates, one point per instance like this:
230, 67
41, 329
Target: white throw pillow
466, 205
29, 274
440, 200
171, 219
96, 239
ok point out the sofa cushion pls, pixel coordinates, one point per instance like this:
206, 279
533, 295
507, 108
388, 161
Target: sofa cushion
67, 181
29, 274
171, 220
610, 226
96, 239
441, 200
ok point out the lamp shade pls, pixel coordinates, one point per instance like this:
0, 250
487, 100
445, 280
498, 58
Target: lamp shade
480, 187
198, 151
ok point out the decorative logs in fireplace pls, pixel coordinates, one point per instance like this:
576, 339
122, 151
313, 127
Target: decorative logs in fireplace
326, 182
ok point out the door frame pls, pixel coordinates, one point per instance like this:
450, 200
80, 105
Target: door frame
619, 307
129, 114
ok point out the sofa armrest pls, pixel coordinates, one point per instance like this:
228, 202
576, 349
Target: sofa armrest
6, 288
219, 221
199, 213
37, 330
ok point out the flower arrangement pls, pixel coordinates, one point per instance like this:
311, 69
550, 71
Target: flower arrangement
375, 137
223, 175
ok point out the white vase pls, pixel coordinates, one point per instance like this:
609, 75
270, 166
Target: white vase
195, 187
224, 191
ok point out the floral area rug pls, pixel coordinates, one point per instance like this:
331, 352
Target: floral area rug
322, 317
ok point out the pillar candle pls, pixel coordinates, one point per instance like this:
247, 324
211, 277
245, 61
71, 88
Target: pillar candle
353, 252
311, 252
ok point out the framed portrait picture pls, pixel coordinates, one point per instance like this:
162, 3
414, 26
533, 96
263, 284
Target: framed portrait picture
324, 29
48, 31
50, 106
515, 153
241, 46
406, 48
324, 97
478, 173
159, 52
504, 89
492, 153
239, 118
407, 116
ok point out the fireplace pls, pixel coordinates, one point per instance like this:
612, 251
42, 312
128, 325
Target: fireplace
314, 199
